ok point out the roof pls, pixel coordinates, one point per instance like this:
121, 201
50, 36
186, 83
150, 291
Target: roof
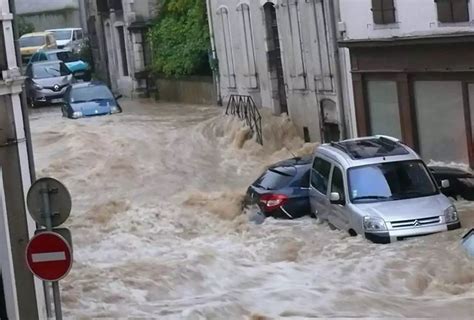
297, 161
88, 84
367, 150
63, 29
35, 34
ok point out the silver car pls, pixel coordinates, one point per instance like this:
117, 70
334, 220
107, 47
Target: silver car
379, 188
46, 82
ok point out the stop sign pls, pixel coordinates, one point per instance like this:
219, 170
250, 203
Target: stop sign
48, 256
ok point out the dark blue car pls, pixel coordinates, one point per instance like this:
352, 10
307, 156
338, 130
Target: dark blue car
282, 190
88, 99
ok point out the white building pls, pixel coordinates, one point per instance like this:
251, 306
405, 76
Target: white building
117, 31
412, 72
282, 54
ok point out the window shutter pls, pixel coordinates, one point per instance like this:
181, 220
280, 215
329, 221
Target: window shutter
460, 10
444, 10
377, 11
388, 11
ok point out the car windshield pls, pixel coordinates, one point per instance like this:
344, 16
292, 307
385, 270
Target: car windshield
50, 70
34, 41
65, 56
90, 93
390, 181
62, 34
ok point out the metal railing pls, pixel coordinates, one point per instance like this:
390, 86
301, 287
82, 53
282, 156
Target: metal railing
244, 107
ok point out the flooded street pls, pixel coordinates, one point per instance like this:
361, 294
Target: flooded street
158, 230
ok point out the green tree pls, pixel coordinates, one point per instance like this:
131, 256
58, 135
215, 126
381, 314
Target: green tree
24, 26
180, 38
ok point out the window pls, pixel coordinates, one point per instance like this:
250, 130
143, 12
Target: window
384, 113
296, 62
247, 44
337, 183
229, 70
452, 10
383, 11
320, 175
123, 51
276, 178
50, 70
78, 35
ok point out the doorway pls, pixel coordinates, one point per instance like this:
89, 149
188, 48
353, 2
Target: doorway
274, 57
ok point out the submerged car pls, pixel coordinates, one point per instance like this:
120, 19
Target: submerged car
32, 42
282, 190
47, 82
461, 183
80, 69
88, 99
379, 188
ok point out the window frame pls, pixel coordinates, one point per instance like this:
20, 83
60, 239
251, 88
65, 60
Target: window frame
343, 189
386, 14
313, 171
449, 17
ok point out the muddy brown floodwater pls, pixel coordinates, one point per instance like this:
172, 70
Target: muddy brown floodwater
158, 232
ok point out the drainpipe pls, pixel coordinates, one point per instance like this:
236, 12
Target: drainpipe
215, 75
337, 62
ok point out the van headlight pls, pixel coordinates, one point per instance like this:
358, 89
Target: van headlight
451, 214
374, 224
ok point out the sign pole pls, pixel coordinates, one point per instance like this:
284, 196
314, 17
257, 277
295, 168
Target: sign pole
48, 216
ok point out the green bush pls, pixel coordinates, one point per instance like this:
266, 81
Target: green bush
180, 39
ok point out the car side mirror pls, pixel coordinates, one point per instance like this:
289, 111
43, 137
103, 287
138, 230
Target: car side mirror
445, 184
118, 97
335, 198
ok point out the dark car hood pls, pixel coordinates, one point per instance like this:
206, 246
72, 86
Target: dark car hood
91, 108
49, 82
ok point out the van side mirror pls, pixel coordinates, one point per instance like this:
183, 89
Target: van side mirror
335, 198
445, 184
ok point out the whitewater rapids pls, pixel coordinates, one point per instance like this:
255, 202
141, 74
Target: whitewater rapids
159, 234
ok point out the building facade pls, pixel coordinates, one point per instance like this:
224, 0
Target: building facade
282, 54
117, 31
52, 14
412, 72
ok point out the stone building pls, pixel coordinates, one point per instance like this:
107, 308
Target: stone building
412, 72
283, 54
117, 31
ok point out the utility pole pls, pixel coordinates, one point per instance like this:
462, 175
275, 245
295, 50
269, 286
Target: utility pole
16, 167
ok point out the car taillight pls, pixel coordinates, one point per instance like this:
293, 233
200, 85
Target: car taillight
272, 201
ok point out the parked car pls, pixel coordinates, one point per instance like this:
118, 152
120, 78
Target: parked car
461, 183
47, 82
379, 188
32, 42
71, 38
80, 69
89, 99
282, 190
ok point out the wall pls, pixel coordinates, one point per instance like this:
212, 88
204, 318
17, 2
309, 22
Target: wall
414, 18
67, 18
194, 90
306, 49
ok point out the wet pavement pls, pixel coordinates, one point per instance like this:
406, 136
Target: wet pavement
159, 233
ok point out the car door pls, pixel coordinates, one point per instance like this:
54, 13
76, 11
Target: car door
318, 190
338, 213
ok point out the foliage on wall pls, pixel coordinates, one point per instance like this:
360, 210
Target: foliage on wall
180, 39
24, 26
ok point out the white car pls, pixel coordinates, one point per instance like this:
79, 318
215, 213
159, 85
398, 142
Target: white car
71, 38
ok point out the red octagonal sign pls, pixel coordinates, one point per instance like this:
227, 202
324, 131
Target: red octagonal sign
48, 256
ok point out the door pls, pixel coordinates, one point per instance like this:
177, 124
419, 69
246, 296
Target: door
318, 191
338, 215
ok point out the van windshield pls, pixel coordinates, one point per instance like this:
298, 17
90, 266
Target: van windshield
390, 181
62, 34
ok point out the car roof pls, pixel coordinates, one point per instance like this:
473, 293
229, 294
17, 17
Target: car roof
366, 151
54, 50
35, 34
46, 62
64, 29
88, 84
296, 161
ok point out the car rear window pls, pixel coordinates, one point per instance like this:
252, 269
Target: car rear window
276, 178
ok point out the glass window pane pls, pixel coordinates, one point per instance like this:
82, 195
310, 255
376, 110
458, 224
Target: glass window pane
440, 119
337, 184
320, 175
383, 108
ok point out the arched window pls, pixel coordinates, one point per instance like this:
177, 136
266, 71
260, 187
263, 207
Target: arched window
248, 45
228, 69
